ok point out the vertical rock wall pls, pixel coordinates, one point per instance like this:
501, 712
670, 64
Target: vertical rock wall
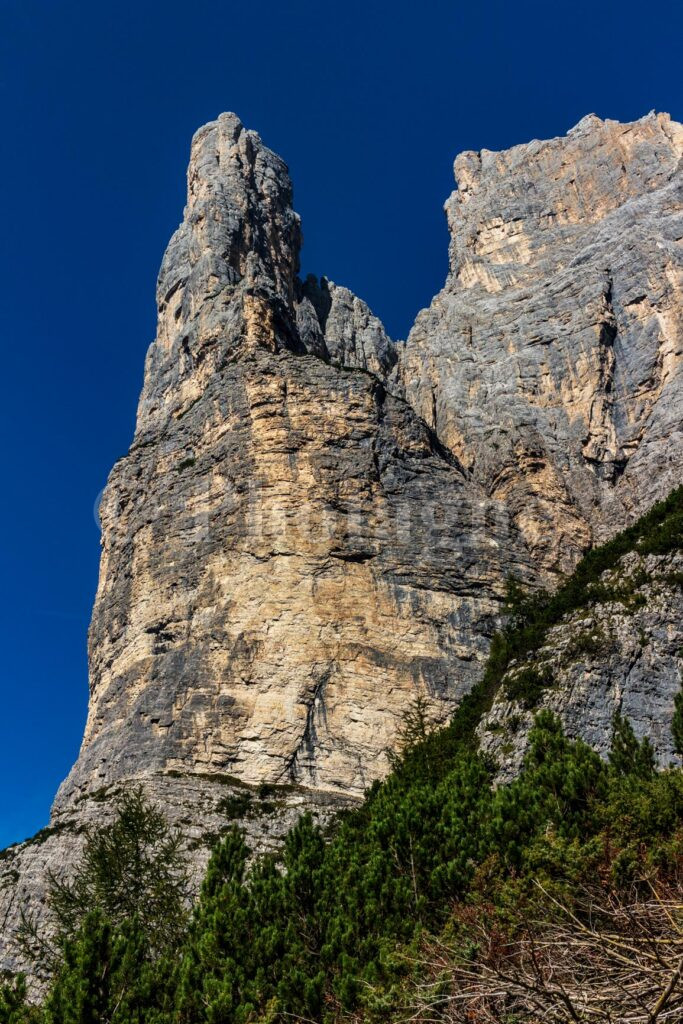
551, 362
313, 526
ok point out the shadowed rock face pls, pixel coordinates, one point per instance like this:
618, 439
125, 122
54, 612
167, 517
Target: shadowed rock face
550, 363
313, 525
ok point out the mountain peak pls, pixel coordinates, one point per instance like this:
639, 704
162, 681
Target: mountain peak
314, 527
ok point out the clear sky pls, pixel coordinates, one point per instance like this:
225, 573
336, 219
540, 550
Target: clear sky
368, 102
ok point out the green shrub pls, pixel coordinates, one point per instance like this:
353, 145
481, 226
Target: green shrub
677, 721
237, 805
527, 685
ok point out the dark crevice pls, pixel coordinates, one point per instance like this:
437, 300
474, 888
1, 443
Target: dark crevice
307, 743
352, 556
318, 294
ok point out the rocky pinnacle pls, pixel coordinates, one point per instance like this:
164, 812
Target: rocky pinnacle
314, 525
290, 555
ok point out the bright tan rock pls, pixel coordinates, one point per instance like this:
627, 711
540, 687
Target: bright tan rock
289, 554
313, 526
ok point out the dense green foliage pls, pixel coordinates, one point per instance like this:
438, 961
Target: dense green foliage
528, 685
323, 930
131, 871
677, 723
14, 1008
108, 974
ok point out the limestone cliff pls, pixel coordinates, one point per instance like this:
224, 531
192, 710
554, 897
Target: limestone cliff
550, 364
622, 655
313, 525
289, 554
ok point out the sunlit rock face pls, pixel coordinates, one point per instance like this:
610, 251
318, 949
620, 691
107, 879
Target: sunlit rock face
550, 364
314, 526
290, 555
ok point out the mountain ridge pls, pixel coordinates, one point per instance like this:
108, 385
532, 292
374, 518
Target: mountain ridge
314, 525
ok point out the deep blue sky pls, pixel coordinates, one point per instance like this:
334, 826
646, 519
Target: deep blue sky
368, 102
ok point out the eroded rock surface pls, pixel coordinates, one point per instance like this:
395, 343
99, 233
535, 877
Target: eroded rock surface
623, 656
314, 526
550, 364
289, 553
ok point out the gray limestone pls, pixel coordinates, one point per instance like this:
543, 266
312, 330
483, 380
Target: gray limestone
313, 525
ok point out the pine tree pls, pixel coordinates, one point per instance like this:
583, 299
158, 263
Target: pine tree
14, 1005
214, 975
106, 975
119, 921
300, 987
677, 721
627, 755
131, 869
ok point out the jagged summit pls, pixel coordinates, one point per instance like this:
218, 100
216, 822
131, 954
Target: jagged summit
314, 526
289, 553
550, 363
236, 255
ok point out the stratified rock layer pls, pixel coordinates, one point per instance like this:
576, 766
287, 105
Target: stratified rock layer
289, 554
314, 526
550, 363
